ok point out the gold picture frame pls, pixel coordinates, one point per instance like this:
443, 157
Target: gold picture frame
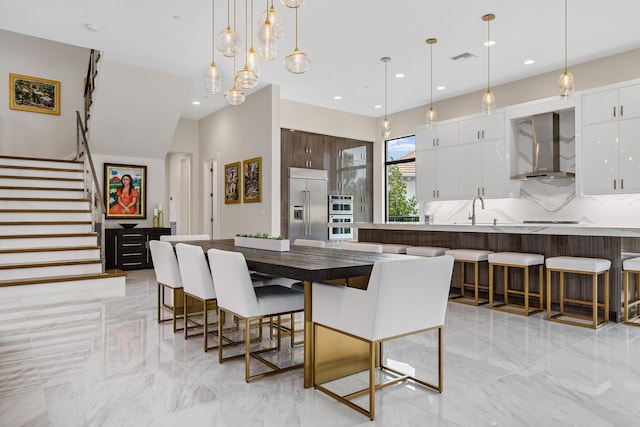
252, 180
34, 94
125, 199
232, 183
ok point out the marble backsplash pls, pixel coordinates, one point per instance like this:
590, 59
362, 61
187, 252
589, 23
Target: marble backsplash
542, 200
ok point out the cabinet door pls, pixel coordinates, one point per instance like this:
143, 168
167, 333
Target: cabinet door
446, 135
629, 131
629, 98
448, 173
426, 175
600, 158
470, 170
495, 169
470, 130
425, 138
492, 127
600, 107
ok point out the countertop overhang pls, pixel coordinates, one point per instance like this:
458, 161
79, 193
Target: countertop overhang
557, 229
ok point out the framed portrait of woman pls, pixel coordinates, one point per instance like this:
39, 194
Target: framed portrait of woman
125, 191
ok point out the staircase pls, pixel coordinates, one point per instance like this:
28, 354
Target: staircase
47, 242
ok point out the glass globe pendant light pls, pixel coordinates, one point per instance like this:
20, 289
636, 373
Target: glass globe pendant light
233, 95
488, 99
293, 3
297, 61
277, 22
247, 78
213, 78
432, 116
565, 82
385, 131
228, 42
267, 47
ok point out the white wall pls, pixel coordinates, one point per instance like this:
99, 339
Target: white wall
238, 133
24, 133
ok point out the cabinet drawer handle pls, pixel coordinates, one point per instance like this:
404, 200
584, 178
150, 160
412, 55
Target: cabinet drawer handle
133, 254
131, 263
621, 112
621, 180
132, 235
478, 134
130, 244
434, 193
438, 193
483, 191
614, 184
482, 134
614, 111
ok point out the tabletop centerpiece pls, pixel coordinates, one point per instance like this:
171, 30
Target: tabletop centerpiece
262, 241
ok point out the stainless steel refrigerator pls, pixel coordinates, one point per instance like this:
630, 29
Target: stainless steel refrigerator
308, 204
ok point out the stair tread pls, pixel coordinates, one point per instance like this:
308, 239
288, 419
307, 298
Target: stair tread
39, 168
41, 178
44, 222
3, 187
56, 279
48, 236
45, 210
49, 249
41, 199
39, 159
39, 264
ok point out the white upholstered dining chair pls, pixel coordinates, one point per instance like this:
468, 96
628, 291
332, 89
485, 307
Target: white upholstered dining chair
197, 285
362, 247
184, 237
168, 277
404, 296
236, 295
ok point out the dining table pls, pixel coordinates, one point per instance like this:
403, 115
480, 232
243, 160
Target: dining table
331, 265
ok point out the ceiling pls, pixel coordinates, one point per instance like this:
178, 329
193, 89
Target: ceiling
345, 40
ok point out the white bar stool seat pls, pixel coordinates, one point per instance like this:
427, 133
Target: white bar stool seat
517, 260
579, 265
428, 251
475, 257
631, 266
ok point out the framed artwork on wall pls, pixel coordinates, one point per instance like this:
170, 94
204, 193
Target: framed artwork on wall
125, 191
232, 183
252, 174
34, 94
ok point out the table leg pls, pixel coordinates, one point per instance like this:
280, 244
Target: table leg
308, 336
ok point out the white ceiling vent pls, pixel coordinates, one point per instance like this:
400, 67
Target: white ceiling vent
463, 56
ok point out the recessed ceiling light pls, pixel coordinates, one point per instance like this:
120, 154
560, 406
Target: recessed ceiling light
399, 75
377, 107
441, 88
195, 102
489, 43
337, 97
91, 27
177, 17
529, 62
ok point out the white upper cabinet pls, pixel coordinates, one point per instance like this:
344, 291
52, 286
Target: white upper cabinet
484, 170
437, 165
481, 128
443, 135
611, 105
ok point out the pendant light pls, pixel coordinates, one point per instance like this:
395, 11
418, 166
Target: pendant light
293, 3
277, 22
565, 82
233, 95
432, 116
213, 78
488, 99
227, 41
247, 78
385, 131
267, 47
297, 62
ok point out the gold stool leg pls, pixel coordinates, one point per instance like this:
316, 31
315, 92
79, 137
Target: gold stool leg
526, 290
595, 299
540, 286
549, 294
476, 276
491, 288
505, 283
562, 292
606, 296
626, 297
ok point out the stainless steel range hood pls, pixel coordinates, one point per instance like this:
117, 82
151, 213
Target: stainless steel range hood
539, 137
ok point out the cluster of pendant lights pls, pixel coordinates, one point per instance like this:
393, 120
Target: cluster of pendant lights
228, 43
565, 82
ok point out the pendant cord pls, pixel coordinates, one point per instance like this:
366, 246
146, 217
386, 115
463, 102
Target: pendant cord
296, 28
488, 56
229, 14
431, 78
385, 89
213, 31
565, 36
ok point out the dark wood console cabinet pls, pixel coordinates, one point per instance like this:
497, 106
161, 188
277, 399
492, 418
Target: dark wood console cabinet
128, 248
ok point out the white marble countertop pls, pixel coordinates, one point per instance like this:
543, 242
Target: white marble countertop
558, 229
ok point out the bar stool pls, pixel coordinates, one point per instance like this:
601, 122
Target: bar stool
471, 256
589, 266
427, 251
518, 260
631, 266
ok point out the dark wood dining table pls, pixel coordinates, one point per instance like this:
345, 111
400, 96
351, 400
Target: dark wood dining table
307, 264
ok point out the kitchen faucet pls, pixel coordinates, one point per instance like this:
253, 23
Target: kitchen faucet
473, 209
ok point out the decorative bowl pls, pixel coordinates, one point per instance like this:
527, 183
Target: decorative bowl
128, 224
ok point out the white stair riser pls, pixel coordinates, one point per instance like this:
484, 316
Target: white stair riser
42, 173
41, 164
71, 255
43, 183
15, 230
51, 242
45, 216
63, 270
44, 204
53, 194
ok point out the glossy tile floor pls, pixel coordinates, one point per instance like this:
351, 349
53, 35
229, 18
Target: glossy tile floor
108, 363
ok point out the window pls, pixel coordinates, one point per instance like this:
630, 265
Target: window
400, 173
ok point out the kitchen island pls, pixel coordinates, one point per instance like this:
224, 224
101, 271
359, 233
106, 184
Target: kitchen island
583, 240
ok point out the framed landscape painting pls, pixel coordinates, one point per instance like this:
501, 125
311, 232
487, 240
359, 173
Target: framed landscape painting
34, 94
125, 191
232, 183
252, 171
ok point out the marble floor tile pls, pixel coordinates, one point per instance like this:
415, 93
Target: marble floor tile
107, 362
